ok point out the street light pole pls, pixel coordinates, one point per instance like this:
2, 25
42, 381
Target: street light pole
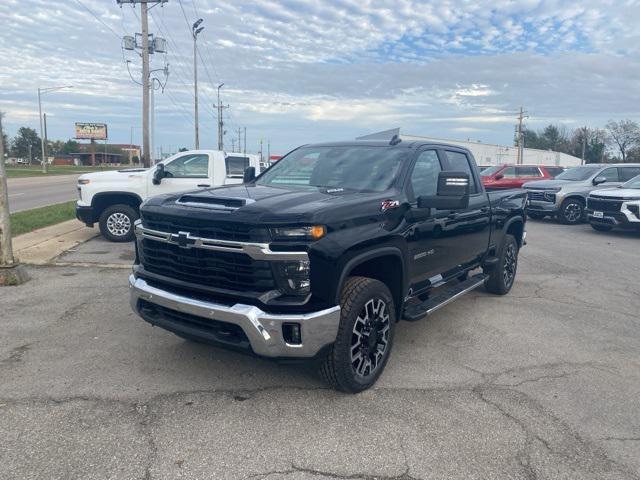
195, 31
43, 152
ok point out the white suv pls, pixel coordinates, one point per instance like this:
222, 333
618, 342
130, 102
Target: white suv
112, 199
616, 207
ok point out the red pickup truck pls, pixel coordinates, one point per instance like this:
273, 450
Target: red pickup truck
514, 176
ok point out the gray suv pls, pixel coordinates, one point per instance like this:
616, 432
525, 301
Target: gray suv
565, 197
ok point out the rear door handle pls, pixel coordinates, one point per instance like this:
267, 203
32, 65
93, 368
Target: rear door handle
203, 185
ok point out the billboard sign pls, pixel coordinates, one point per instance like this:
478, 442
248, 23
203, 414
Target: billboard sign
92, 131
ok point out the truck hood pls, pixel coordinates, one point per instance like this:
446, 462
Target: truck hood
115, 175
625, 193
270, 205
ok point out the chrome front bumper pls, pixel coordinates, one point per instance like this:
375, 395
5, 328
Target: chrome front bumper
264, 330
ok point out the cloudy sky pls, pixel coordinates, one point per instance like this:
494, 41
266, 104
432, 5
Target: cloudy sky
298, 71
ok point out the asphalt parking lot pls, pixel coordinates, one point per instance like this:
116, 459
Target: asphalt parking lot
542, 383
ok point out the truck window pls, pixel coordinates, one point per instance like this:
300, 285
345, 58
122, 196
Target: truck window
424, 178
627, 173
236, 166
554, 171
509, 172
611, 174
458, 162
188, 166
528, 172
362, 168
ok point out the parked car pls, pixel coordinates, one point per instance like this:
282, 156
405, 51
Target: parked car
565, 197
514, 176
113, 198
320, 256
615, 207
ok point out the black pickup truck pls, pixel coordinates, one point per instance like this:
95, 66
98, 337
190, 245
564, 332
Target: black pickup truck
320, 256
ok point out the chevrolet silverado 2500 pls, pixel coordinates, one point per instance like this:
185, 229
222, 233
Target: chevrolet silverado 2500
320, 256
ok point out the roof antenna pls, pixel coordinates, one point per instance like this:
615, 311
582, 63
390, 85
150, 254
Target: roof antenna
395, 140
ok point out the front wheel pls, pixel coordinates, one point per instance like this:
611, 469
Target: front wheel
116, 223
503, 274
601, 228
365, 335
571, 211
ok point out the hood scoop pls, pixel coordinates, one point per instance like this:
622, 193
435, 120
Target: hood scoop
214, 203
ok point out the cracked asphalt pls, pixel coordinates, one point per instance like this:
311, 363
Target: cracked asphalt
542, 383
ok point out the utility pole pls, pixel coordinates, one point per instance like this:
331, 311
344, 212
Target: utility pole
46, 145
245, 141
521, 116
131, 147
239, 140
268, 151
220, 108
146, 144
260, 150
584, 143
233, 144
195, 30
44, 167
10, 272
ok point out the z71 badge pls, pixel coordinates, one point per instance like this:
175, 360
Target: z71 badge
389, 204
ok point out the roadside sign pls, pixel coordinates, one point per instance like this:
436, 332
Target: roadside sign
93, 131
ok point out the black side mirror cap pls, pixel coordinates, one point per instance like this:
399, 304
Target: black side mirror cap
452, 194
158, 174
249, 174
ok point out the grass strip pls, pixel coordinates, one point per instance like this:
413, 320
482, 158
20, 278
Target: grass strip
29, 220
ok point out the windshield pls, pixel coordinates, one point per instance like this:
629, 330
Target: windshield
487, 172
350, 167
633, 183
578, 173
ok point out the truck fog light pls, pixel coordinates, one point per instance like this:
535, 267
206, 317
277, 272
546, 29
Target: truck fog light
291, 333
551, 197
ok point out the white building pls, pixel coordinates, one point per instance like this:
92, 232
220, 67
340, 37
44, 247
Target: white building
488, 153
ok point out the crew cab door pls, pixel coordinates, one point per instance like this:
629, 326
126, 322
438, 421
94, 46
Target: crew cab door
428, 244
186, 172
469, 228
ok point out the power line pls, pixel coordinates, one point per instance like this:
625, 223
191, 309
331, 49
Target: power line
99, 19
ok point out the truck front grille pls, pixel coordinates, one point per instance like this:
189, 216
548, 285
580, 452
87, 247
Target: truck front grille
602, 205
198, 227
209, 268
539, 196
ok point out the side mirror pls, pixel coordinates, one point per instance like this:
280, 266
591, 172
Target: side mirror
499, 176
158, 175
249, 174
598, 180
452, 193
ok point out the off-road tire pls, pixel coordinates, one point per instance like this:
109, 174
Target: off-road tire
118, 213
499, 282
571, 211
601, 228
336, 367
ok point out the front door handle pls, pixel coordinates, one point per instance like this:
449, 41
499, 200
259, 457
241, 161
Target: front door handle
453, 215
203, 185
484, 209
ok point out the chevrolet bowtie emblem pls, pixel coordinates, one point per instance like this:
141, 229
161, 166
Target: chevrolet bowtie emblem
183, 239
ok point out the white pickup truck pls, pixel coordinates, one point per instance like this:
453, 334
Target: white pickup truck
112, 199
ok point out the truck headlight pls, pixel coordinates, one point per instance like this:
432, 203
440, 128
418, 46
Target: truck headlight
293, 277
314, 232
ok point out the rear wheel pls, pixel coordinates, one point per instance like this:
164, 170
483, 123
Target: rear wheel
601, 228
365, 335
503, 274
571, 211
116, 223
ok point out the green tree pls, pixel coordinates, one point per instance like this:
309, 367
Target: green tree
5, 143
71, 146
183, 149
552, 137
593, 141
20, 144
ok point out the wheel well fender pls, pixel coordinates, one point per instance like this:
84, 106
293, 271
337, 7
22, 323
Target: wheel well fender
515, 227
580, 198
385, 264
101, 201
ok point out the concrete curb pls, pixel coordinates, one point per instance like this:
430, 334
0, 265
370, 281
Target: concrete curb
43, 246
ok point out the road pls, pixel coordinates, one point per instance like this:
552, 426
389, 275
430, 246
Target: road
32, 192
540, 384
